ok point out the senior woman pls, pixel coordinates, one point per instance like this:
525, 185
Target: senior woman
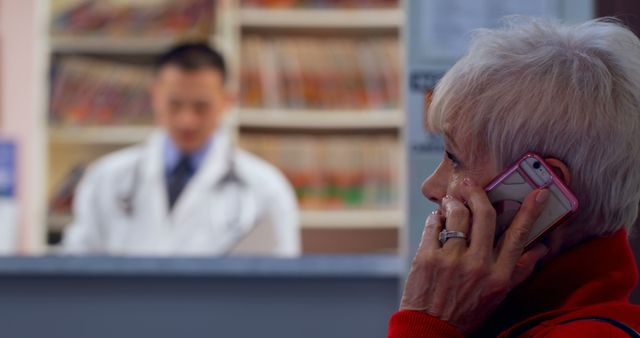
572, 95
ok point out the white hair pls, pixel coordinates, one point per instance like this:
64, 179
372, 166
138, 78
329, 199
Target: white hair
568, 92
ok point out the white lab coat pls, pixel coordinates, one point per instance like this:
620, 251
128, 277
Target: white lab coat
235, 203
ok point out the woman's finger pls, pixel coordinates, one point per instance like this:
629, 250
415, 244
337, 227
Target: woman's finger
527, 262
515, 238
432, 227
457, 218
483, 227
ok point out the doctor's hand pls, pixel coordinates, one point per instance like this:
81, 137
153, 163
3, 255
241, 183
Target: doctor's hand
463, 281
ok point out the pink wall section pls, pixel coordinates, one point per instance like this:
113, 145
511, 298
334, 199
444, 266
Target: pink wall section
22, 79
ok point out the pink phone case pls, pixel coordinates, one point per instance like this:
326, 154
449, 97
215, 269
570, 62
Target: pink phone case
508, 191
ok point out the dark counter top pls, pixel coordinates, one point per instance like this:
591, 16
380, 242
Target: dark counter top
349, 266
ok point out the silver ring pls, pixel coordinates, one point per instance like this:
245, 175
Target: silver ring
445, 235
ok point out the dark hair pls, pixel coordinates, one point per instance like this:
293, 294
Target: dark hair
193, 56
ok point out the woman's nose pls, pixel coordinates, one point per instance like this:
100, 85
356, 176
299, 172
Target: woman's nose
434, 188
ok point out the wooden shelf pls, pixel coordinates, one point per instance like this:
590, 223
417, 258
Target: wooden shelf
112, 45
309, 219
321, 18
320, 119
350, 219
247, 118
68, 44
117, 135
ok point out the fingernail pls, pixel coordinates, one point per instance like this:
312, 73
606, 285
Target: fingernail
437, 212
542, 196
543, 249
468, 182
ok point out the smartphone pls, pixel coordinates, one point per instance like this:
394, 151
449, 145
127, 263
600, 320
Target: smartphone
509, 189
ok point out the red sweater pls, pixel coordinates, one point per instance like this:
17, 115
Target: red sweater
593, 279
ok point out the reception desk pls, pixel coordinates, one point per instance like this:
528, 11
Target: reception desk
312, 296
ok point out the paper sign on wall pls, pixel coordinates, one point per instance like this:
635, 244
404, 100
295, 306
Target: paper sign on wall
8, 203
445, 25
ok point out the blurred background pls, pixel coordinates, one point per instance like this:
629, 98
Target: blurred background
287, 58
329, 91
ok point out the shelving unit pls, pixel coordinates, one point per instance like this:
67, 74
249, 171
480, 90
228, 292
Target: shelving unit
326, 228
232, 24
69, 143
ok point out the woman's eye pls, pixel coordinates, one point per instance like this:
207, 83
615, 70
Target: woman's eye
453, 159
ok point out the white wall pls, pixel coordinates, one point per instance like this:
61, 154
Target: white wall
22, 78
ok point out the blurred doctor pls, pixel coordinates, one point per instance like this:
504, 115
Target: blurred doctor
187, 190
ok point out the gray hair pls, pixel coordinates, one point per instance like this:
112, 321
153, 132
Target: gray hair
568, 92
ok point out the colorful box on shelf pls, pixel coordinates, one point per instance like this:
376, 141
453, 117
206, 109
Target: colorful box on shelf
320, 73
91, 91
174, 18
334, 171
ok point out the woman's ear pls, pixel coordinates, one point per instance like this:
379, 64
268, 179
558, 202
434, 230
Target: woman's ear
560, 169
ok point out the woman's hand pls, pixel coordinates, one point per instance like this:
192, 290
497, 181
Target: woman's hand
463, 281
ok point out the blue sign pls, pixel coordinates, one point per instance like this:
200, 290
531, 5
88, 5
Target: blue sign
7, 168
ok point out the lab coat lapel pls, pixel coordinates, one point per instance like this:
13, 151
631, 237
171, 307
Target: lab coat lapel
154, 185
200, 189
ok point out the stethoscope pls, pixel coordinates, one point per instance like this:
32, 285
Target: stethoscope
244, 213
